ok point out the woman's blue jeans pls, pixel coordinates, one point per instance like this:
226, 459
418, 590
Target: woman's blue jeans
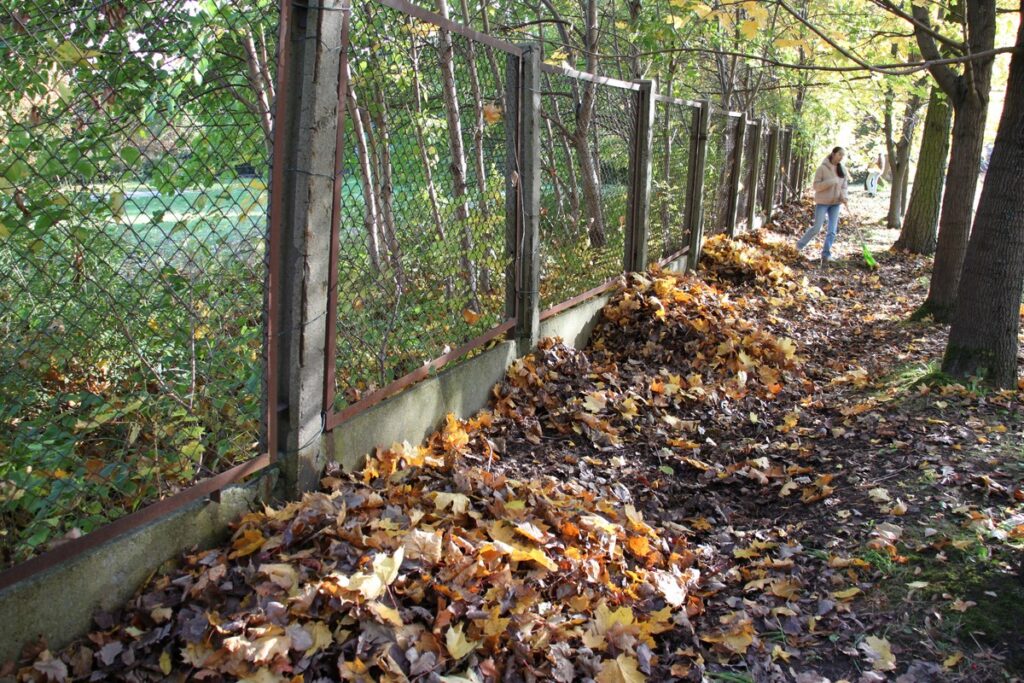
822, 211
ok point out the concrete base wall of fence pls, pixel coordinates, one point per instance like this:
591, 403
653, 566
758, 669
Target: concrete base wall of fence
463, 390
59, 603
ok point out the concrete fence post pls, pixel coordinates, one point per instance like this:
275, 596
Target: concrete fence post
695, 191
771, 172
735, 177
638, 209
308, 158
787, 157
754, 129
522, 195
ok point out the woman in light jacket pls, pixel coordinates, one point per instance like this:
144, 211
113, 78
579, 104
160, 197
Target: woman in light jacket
830, 184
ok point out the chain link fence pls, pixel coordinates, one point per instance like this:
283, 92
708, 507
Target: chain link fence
587, 128
670, 155
718, 164
134, 146
746, 192
422, 255
134, 158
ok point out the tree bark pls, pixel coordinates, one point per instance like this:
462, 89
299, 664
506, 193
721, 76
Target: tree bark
417, 117
983, 336
370, 214
899, 155
955, 216
921, 221
458, 154
584, 122
968, 95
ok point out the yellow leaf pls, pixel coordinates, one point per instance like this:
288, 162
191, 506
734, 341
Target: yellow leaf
423, 545
165, 662
778, 653
469, 315
622, 669
675, 21
492, 113
879, 653
639, 546
846, 594
321, 636
749, 29
535, 555
629, 409
745, 553
270, 646
786, 589
386, 567
387, 615
454, 436
595, 401
458, 502
247, 543
455, 641
283, 575
951, 661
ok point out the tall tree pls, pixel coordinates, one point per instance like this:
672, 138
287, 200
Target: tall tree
986, 320
899, 153
921, 222
968, 93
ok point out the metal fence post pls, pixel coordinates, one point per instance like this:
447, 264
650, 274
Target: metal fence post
772, 174
731, 214
307, 157
522, 193
638, 210
752, 180
695, 190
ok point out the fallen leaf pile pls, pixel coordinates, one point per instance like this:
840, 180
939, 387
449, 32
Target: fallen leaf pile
749, 260
408, 570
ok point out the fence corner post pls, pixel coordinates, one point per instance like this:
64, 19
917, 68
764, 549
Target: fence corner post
306, 170
695, 191
522, 188
755, 165
731, 217
638, 211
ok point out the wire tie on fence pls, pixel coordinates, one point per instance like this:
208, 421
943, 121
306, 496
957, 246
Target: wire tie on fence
311, 173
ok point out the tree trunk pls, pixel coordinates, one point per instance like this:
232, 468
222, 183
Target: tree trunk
417, 117
380, 146
983, 337
955, 217
458, 155
899, 156
922, 218
968, 94
370, 214
584, 122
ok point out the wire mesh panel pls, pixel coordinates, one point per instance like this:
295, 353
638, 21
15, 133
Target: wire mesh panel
586, 133
746, 193
762, 172
667, 233
133, 172
422, 227
718, 165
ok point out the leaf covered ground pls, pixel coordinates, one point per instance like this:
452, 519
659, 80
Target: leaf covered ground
754, 474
